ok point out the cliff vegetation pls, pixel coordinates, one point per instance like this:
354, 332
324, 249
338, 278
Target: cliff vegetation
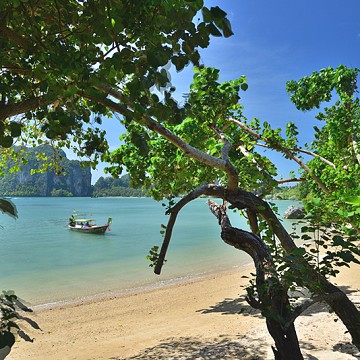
31, 179
110, 186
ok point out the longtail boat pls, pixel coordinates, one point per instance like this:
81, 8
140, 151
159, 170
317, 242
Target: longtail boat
87, 225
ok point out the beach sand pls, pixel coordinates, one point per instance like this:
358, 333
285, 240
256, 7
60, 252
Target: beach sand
198, 319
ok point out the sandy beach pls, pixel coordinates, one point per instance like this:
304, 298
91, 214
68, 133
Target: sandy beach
198, 319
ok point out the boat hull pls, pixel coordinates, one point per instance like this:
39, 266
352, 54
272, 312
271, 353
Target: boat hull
98, 230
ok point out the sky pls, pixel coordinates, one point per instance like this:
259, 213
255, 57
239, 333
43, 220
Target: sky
274, 42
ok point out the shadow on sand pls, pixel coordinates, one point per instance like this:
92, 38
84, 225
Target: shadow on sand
231, 347
193, 348
240, 306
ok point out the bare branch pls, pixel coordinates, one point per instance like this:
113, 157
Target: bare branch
12, 35
254, 246
227, 145
283, 181
232, 172
17, 70
247, 155
239, 199
308, 152
316, 155
173, 215
253, 221
241, 239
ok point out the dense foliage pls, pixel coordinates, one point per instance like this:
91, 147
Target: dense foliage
61, 60
336, 144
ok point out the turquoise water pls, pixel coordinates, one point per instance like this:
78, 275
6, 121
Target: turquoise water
45, 262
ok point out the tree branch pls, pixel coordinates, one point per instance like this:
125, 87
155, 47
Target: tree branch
283, 181
304, 306
32, 103
254, 246
253, 221
242, 199
285, 151
304, 152
317, 156
232, 172
12, 35
125, 107
173, 212
244, 240
258, 167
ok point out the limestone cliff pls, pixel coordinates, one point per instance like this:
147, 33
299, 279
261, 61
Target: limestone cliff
75, 182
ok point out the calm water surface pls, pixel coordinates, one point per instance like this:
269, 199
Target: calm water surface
44, 262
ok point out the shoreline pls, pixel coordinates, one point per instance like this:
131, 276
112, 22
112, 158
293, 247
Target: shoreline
198, 318
145, 288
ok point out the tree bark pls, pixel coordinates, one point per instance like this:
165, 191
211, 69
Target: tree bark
345, 309
286, 341
272, 299
317, 283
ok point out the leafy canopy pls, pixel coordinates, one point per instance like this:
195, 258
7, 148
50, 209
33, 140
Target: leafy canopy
336, 140
61, 60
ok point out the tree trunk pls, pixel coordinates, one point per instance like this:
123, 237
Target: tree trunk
345, 309
272, 296
317, 283
286, 341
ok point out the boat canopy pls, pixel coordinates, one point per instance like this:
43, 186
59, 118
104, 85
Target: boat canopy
84, 220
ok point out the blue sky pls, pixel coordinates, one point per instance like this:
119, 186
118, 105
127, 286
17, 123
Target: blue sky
273, 42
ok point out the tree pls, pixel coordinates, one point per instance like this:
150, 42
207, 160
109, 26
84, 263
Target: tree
62, 60
67, 60
337, 141
215, 148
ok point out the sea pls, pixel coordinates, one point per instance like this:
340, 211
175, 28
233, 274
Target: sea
46, 264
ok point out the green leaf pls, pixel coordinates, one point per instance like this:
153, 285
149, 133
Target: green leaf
157, 58
353, 200
298, 251
206, 14
8, 207
217, 13
226, 28
15, 129
214, 30
244, 86
6, 141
